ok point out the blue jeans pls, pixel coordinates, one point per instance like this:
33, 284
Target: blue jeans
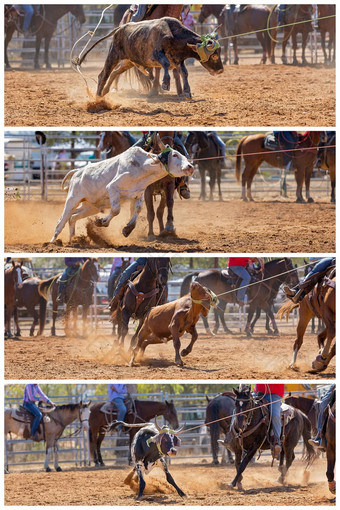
275, 410
179, 142
320, 267
32, 408
139, 15
119, 401
67, 274
245, 276
29, 11
219, 142
112, 278
141, 261
323, 404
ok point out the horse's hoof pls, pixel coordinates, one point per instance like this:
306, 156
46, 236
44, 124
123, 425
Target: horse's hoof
179, 363
166, 85
248, 333
331, 486
319, 363
276, 332
310, 200
300, 200
58, 469
215, 462
48, 470
209, 332
184, 352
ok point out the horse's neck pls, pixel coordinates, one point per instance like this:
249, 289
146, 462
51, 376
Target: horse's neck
147, 276
65, 416
85, 276
55, 12
149, 409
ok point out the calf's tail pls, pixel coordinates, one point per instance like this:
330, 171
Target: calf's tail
67, 177
78, 61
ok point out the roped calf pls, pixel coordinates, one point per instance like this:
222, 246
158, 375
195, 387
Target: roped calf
108, 183
160, 43
149, 448
172, 320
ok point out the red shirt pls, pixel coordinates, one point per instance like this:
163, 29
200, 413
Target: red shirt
238, 261
278, 389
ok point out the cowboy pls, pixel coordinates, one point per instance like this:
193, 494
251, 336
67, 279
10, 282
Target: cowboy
117, 394
114, 273
281, 20
28, 11
238, 266
220, 143
287, 140
273, 394
297, 293
327, 399
136, 265
32, 394
328, 139
73, 265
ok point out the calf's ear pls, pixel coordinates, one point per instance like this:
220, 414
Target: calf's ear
154, 158
193, 47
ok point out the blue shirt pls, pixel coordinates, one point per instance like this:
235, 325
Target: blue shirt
117, 391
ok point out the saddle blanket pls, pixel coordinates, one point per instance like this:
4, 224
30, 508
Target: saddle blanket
21, 414
287, 414
270, 142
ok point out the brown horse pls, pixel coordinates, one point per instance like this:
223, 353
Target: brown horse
320, 302
251, 18
292, 14
309, 406
327, 25
114, 143
331, 447
28, 296
328, 163
13, 281
79, 291
142, 411
46, 24
303, 161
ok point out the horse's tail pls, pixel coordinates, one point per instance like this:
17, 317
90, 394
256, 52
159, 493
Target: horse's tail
185, 287
67, 177
310, 453
46, 285
286, 308
78, 61
42, 314
239, 159
214, 427
131, 75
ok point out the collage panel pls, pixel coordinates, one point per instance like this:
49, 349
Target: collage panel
192, 434
175, 317
222, 191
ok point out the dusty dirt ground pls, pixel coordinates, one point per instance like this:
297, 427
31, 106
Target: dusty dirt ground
247, 95
204, 485
235, 226
220, 357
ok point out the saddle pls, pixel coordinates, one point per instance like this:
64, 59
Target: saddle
230, 277
23, 416
141, 296
287, 414
270, 142
110, 407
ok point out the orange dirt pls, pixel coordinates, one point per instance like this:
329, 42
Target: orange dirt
247, 95
233, 226
220, 357
204, 485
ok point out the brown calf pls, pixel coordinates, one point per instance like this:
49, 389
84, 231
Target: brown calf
172, 320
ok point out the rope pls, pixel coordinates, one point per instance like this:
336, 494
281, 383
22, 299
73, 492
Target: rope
232, 415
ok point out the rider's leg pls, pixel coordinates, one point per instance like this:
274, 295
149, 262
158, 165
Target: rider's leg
32, 408
275, 410
245, 280
316, 441
29, 11
121, 410
298, 292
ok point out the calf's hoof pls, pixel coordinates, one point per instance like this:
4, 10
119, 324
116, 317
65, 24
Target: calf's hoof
127, 231
58, 469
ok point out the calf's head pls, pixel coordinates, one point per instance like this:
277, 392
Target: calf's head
209, 54
166, 440
201, 295
173, 162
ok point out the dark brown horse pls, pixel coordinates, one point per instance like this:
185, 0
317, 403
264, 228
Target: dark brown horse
292, 14
200, 144
46, 23
142, 411
219, 407
250, 432
79, 292
309, 406
327, 162
28, 297
320, 302
303, 161
143, 293
114, 143
327, 26
331, 447
251, 18
13, 281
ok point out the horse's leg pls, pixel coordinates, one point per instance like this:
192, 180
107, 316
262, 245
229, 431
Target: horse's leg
93, 442
284, 45
56, 458
16, 321
256, 318
308, 175
54, 316
49, 451
236, 59
219, 175
294, 44
32, 311
269, 311
169, 194
100, 439
323, 45
8, 37
305, 315
38, 39
251, 311
244, 463
304, 44
299, 177
124, 326
85, 310
47, 47
272, 46
74, 321
194, 336
330, 454
202, 175
160, 213
135, 208
262, 40
148, 196
212, 182
206, 326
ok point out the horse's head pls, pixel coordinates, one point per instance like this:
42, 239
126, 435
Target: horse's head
17, 274
170, 414
292, 278
84, 414
244, 402
162, 269
78, 12
104, 141
91, 269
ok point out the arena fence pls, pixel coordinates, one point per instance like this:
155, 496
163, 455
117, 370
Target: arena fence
191, 408
36, 172
21, 50
99, 324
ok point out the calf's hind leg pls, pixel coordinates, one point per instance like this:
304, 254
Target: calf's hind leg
71, 205
111, 61
169, 478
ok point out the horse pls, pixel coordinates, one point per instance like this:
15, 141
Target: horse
114, 143
320, 302
118, 13
79, 291
142, 411
331, 447
303, 161
250, 429
28, 296
292, 14
220, 406
219, 12
309, 406
143, 293
50, 430
251, 18
328, 163
46, 24
327, 25
199, 144
13, 281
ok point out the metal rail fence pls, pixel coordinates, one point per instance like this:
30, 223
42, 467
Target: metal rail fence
21, 50
26, 163
190, 408
99, 324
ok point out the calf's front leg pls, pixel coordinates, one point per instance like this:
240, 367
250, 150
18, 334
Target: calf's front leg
194, 336
174, 328
136, 207
165, 63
